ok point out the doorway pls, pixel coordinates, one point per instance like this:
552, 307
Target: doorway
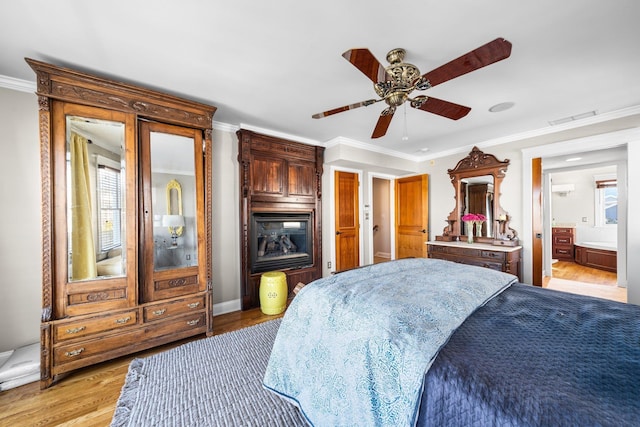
582, 202
382, 218
597, 148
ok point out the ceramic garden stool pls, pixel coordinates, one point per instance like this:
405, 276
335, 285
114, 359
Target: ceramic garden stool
273, 292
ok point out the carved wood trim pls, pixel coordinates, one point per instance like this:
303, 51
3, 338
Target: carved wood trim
208, 220
74, 86
478, 163
46, 208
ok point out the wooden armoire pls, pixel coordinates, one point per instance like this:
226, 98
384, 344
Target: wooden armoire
126, 218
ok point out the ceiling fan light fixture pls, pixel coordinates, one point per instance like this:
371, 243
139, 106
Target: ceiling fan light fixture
503, 106
394, 83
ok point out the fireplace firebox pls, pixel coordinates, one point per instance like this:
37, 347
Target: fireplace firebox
280, 241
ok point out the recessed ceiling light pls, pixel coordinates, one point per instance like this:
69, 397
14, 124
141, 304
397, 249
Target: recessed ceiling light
501, 107
573, 159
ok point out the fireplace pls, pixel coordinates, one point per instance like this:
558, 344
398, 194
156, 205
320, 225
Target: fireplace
280, 212
281, 241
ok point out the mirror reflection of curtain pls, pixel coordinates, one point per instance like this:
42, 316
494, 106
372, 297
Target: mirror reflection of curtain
82, 246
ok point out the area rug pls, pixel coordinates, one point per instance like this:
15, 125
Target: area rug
214, 381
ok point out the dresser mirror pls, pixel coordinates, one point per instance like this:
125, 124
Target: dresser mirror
476, 196
95, 176
476, 180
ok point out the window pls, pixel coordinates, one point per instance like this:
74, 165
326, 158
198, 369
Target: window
606, 201
109, 208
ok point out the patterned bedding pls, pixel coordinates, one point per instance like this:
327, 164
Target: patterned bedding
353, 348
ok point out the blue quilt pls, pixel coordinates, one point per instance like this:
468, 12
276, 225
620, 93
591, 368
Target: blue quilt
537, 357
353, 348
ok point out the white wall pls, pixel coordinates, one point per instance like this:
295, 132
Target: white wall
633, 227
579, 204
226, 221
20, 241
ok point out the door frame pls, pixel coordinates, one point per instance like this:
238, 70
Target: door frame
392, 213
332, 210
573, 146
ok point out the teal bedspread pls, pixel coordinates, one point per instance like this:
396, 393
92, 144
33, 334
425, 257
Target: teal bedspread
353, 348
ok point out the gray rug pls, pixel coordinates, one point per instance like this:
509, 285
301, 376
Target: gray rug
215, 381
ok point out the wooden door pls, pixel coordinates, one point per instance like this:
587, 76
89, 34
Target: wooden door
412, 216
347, 224
536, 220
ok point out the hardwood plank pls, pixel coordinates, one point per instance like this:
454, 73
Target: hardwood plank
88, 397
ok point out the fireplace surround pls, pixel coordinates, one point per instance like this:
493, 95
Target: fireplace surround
280, 211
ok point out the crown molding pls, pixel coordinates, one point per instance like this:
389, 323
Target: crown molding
282, 135
225, 127
368, 147
548, 130
17, 84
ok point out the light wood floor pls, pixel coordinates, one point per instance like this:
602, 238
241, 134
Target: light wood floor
88, 397
578, 279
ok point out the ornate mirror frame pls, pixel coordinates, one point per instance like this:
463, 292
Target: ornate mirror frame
174, 186
477, 164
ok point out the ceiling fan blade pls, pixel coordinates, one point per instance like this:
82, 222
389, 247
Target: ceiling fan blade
383, 124
491, 52
444, 108
364, 61
345, 108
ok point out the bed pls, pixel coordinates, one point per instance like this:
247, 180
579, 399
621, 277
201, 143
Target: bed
431, 342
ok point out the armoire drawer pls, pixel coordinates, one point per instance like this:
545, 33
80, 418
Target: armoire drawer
96, 347
95, 325
126, 342
168, 309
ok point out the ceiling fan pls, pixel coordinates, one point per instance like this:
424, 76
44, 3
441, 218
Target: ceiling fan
394, 83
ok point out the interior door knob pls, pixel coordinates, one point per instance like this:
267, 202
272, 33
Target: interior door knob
424, 231
338, 233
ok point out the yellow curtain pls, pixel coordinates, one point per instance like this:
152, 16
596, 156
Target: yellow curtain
82, 248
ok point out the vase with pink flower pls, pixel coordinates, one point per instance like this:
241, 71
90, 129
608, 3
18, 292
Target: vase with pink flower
472, 220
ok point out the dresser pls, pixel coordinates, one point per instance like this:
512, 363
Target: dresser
562, 240
501, 258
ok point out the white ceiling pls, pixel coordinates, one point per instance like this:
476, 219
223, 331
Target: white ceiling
270, 65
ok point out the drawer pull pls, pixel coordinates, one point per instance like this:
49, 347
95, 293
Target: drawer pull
76, 330
193, 322
123, 320
74, 353
193, 304
160, 312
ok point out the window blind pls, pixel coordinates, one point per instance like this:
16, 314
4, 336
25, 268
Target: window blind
109, 208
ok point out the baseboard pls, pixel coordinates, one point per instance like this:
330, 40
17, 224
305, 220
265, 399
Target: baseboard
383, 255
227, 307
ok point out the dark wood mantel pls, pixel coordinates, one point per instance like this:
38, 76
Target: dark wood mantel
278, 175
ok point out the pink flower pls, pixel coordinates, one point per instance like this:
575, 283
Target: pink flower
474, 217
